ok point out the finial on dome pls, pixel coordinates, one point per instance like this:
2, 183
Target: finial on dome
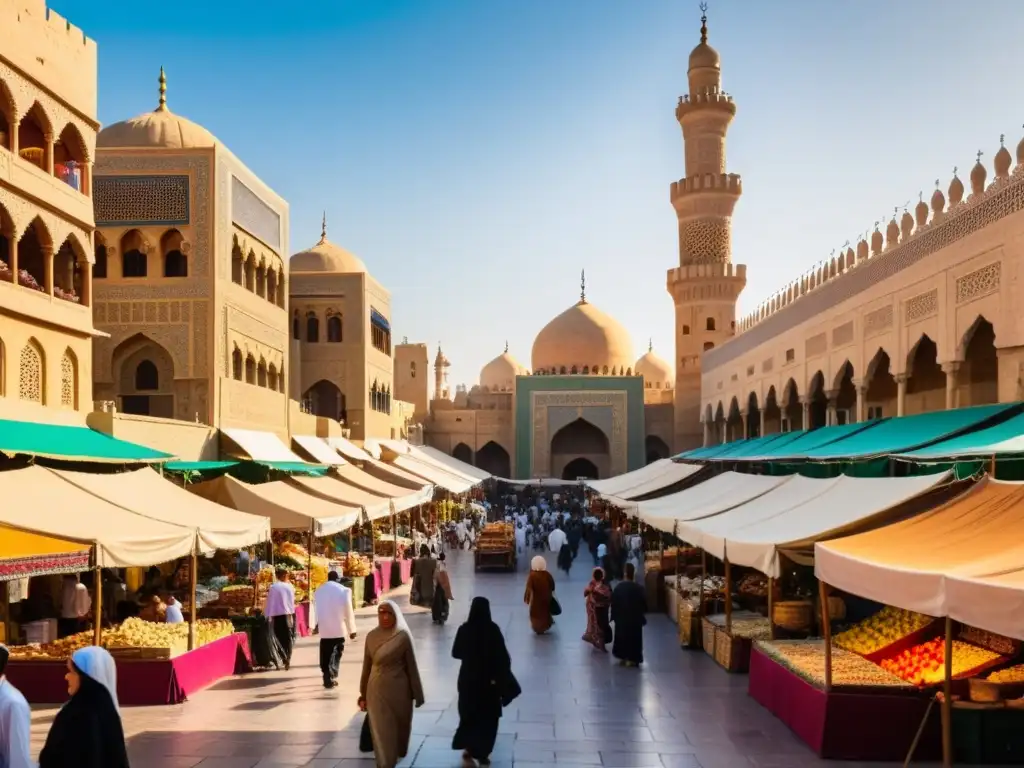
506, 347
1002, 139
703, 22
979, 155
650, 345
583, 286
162, 106
323, 234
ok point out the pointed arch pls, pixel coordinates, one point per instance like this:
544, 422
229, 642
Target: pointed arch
34, 127
71, 158
250, 368
32, 372
236, 364
880, 387
134, 252
753, 416
978, 377
261, 373
33, 249
237, 262
926, 381
463, 453
493, 458
172, 251
69, 380
325, 399
817, 410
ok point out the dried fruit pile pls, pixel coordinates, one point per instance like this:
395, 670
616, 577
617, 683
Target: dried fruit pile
924, 664
888, 626
806, 658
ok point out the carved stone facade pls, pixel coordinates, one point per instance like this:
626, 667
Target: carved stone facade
542, 402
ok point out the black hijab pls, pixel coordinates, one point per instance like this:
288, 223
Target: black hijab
480, 645
87, 732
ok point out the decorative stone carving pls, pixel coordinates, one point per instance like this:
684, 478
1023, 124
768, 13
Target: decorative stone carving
705, 241
141, 200
67, 381
921, 306
31, 384
878, 320
842, 335
978, 283
253, 215
541, 401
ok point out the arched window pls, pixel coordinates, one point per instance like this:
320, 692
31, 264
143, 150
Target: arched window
147, 378
69, 380
334, 328
573, 370
237, 264
134, 262
686, 330
250, 370
261, 373
296, 326
32, 377
272, 377
250, 272
710, 324
709, 345
99, 269
312, 328
175, 262
272, 286
236, 364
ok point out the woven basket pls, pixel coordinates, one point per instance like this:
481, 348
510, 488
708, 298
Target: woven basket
836, 608
708, 631
732, 653
983, 691
690, 632
794, 615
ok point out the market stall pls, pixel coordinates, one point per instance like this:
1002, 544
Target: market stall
496, 548
669, 475
431, 474
339, 492
449, 463
402, 498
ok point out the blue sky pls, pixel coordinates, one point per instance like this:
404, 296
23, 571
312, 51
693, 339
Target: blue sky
477, 154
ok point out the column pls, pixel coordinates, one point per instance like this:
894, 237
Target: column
48, 268
763, 423
743, 420
831, 417
862, 405
48, 156
805, 413
724, 432
707, 434
12, 255
86, 298
952, 371
901, 393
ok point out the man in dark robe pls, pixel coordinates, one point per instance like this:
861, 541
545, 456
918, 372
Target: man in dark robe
629, 606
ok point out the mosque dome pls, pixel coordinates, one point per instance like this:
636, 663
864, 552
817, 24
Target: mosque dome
705, 57
500, 374
325, 256
159, 129
582, 337
656, 372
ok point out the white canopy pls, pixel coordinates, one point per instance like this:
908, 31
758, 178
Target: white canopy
401, 498
794, 516
145, 493
720, 493
37, 500
262, 446
338, 491
912, 563
669, 476
432, 473
450, 463
318, 448
348, 449
616, 486
287, 507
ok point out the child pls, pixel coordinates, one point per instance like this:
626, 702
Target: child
442, 591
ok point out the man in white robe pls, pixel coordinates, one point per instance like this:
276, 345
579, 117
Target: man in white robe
336, 618
15, 722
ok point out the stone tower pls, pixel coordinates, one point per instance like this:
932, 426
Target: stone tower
706, 283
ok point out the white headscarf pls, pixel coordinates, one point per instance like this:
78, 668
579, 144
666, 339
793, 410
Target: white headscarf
538, 563
400, 623
98, 664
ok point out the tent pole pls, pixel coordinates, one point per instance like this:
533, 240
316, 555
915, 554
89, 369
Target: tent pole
675, 535
703, 576
826, 630
309, 566
992, 467
193, 581
728, 597
394, 536
947, 699
97, 629
771, 607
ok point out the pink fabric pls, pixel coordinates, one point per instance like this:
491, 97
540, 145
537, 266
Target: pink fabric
405, 569
302, 619
142, 683
384, 566
846, 725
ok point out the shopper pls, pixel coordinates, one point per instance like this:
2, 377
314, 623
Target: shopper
336, 618
280, 609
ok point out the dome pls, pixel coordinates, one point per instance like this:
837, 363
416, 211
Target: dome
582, 337
656, 372
500, 374
325, 256
159, 129
705, 57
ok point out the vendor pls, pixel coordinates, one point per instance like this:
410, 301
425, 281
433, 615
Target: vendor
75, 606
153, 609
172, 612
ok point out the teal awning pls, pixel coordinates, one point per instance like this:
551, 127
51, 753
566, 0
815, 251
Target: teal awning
295, 467
709, 451
56, 441
807, 441
755, 445
1006, 437
198, 466
912, 432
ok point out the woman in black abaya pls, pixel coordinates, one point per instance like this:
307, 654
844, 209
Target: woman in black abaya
484, 678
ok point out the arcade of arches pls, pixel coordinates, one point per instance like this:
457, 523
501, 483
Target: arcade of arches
580, 449
325, 399
926, 385
654, 449
491, 458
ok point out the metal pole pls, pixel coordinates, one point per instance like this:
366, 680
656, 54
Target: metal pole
728, 597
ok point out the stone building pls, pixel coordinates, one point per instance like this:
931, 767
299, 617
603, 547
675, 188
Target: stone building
190, 280
922, 314
589, 409
341, 324
47, 147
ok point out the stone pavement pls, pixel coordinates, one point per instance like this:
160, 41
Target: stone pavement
578, 708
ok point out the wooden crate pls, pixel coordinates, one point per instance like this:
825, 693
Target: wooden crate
708, 630
690, 629
732, 653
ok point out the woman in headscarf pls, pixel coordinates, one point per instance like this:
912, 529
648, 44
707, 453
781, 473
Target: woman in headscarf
423, 568
599, 598
442, 591
483, 675
390, 685
87, 731
540, 591
629, 609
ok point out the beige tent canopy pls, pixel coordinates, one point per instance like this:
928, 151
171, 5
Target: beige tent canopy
450, 463
374, 466
340, 492
146, 493
911, 563
287, 507
432, 474
401, 498
400, 449
37, 500
670, 475
620, 484
262, 446
318, 449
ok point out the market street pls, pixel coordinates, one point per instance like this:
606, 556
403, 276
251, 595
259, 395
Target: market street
579, 708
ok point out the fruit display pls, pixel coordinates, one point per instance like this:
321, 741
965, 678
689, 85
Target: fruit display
133, 633
356, 565
924, 664
238, 598
714, 587
496, 537
754, 585
1014, 674
745, 624
888, 626
806, 658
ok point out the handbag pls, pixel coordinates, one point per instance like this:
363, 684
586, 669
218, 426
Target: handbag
556, 607
366, 736
510, 690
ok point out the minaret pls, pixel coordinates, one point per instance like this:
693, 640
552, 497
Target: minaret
706, 284
441, 365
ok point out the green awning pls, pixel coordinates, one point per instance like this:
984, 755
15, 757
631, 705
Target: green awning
807, 441
1001, 439
64, 443
754, 445
295, 467
709, 451
912, 432
198, 466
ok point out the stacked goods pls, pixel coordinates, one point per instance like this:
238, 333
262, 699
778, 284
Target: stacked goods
496, 537
237, 598
753, 585
714, 587
924, 664
883, 629
133, 633
1013, 674
752, 628
806, 659
356, 565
